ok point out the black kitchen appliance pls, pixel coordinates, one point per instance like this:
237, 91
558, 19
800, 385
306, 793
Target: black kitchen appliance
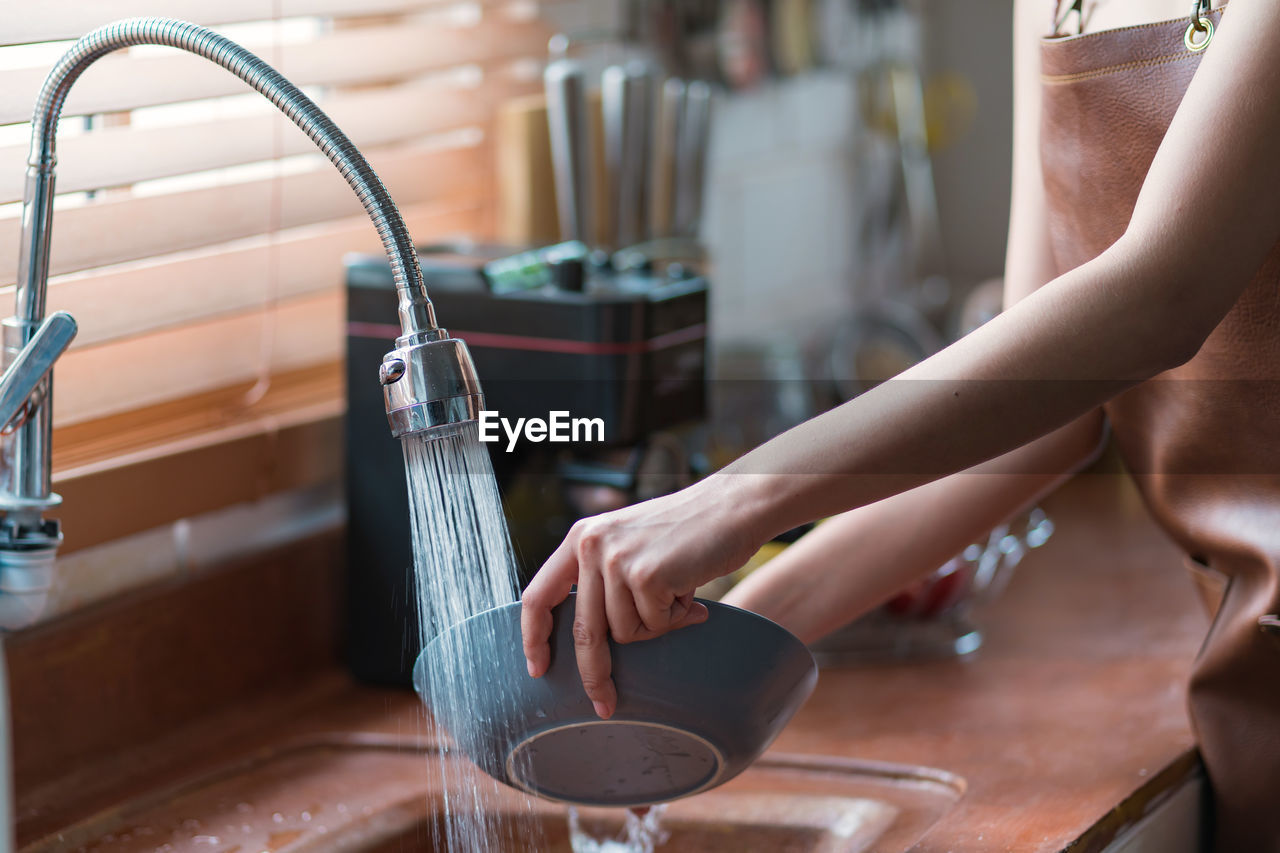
549, 330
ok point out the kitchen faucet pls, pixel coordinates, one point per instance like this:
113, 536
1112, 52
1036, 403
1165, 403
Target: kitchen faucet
429, 378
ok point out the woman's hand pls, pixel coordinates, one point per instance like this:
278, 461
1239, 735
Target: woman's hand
636, 570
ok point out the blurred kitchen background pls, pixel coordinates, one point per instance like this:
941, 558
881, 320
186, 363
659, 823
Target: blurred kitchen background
820, 200
848, 217
810, 195
236, 569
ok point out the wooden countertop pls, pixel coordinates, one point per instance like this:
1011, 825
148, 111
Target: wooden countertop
1074, 705
1066, 725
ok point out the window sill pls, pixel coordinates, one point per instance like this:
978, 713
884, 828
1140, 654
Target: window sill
129, 473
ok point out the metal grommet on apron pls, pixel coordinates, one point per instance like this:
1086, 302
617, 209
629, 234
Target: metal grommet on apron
1270, 625
1200, 30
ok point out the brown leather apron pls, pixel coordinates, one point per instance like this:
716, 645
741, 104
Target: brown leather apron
1202, 441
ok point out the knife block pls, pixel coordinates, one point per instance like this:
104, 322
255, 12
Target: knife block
527, 213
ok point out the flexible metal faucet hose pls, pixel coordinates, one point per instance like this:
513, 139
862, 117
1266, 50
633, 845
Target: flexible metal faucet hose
25, 484
416, 312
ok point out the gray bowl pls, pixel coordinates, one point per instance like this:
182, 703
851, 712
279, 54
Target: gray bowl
695, 707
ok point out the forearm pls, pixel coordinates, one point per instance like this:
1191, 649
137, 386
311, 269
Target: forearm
1053, 357
855, 561
1144, 306
1205, 219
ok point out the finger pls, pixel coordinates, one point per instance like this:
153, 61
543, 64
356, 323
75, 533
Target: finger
625, 624
591, 643
661, 614
548, 588
653, 610
685, 611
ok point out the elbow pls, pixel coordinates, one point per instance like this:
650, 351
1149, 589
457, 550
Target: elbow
1169, 313
1188, 314
1158, 340
1180, 298
1180, 344
1176, 317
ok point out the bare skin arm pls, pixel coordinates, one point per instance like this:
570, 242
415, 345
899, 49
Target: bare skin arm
859, 559
1142, 307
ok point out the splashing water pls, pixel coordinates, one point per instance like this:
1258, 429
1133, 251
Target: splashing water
640, 834
464, 564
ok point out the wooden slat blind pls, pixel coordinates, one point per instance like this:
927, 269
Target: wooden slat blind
381, 117
365, 55
69, 19
125, 228
201, 248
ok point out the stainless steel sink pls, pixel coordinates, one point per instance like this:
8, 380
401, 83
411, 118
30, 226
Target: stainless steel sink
375, 795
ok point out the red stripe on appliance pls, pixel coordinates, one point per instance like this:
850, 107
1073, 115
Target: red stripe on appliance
527, 343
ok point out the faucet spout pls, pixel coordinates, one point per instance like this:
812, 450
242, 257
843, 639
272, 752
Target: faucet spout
25, 483
429, 380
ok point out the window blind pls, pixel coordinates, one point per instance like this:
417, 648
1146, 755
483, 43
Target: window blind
198, 237
268, 223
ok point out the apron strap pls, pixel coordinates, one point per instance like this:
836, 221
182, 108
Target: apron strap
1060, 16
1199, 22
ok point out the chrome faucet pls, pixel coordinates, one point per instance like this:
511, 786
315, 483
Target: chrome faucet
429, 378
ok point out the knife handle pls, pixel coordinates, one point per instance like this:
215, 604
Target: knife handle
565, 84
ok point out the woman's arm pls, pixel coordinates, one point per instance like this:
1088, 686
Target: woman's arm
860, 559
857, 560
1206, 216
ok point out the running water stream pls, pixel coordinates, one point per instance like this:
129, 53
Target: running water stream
464, 564
641, 833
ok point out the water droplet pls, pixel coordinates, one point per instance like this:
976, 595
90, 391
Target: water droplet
306, 817
244, 808
207, 839
277, 817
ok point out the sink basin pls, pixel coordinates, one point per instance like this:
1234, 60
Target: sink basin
375, 795
783, 804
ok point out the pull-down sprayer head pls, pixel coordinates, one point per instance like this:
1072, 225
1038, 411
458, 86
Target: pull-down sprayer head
429, 384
